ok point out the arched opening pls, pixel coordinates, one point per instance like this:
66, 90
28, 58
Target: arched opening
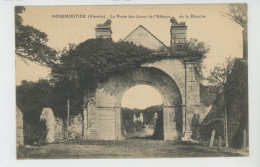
141, 96
105, 117
142, 113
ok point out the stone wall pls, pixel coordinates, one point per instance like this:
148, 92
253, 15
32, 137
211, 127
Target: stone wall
75, 127
33, 131
58, 129
19, 128
214, 119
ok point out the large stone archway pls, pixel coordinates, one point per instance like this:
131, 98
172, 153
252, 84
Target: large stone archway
103, 117
174, 77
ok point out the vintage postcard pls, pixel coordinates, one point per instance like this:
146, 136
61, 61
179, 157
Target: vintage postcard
131, 81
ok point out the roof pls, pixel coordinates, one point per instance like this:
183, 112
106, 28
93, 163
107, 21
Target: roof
141, 36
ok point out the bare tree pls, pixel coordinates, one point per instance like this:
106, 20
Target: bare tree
238, 14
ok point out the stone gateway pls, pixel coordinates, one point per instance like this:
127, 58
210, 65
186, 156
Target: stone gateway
174, 77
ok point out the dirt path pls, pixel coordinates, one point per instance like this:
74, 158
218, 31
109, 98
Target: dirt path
144, 133
131, 148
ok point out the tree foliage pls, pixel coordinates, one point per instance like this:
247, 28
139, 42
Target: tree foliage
148, 119
218, 76
32, 97
83, 67
195, 50
92, 62
238, 14
95, 60
31, 43
198, 49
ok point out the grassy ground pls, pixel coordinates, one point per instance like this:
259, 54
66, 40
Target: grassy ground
131, 148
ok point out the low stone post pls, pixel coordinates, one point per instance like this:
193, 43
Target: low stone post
212, 138
47, 117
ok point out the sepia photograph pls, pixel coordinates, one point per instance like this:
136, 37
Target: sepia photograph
131, 81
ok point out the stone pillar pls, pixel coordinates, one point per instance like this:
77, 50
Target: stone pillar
19, 128
155, 118
192, 96
47, 118
104, 30
135, 118
118, 124
91, 127
169, 124
107, 123
178, 34
141, 117
183, 120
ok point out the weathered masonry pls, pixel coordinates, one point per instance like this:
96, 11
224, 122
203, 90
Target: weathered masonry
173, 77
